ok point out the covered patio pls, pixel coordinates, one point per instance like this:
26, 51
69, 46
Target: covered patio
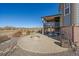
51, 24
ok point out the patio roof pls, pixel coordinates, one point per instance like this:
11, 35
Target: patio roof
51, 17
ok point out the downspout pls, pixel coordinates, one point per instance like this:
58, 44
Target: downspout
72, 21
73, 33
72, 25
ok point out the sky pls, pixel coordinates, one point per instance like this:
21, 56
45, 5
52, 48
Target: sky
25, 14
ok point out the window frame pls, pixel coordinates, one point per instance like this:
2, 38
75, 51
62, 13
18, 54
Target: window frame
66, 7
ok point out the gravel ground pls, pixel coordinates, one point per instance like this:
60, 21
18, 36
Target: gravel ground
20, 52
7, 46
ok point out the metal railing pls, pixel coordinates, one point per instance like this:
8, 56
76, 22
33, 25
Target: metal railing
53, 24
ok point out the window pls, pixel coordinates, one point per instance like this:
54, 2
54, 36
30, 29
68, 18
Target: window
67, 20
66, 9
66, 5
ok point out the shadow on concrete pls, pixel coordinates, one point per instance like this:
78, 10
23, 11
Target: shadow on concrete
58, 43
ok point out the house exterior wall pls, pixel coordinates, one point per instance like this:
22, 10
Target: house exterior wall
67, 21
67, 31
66, 27
76, 35
61, 20
75, 13
61, 11
67, 14
75, 21
71, 20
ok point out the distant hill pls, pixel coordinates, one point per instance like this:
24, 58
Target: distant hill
21, 28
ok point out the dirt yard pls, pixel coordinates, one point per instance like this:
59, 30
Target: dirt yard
33, 44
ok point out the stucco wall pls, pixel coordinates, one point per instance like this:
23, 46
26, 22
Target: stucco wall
67, 32
76, 35
75, 13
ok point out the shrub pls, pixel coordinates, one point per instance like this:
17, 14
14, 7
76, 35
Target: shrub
28, 32
4, 38
17, 34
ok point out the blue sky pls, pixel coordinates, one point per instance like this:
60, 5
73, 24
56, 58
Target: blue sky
25, 14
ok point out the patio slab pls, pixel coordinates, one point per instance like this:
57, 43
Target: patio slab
38, 43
